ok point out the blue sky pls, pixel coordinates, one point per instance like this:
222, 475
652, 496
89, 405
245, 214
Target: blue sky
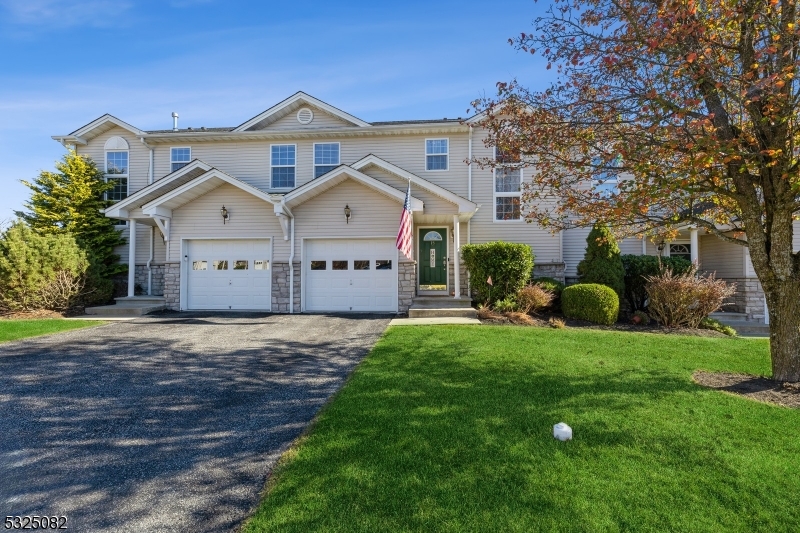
218, 63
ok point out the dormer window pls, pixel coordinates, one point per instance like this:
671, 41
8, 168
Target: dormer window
179, 158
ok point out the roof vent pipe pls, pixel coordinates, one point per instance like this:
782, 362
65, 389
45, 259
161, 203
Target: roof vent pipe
174, 121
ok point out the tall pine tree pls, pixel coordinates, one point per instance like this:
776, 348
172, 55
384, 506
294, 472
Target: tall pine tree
71, 200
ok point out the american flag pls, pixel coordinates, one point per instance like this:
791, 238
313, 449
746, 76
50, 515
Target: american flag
405, 233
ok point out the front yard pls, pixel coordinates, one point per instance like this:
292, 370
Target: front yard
448, 428
13, 329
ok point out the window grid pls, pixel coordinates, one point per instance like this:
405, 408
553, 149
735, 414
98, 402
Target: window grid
507, 188
436, 154
283, 158
117, 173
179, 157
326, 158
606, 184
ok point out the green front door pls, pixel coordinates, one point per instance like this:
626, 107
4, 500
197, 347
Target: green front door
433, 259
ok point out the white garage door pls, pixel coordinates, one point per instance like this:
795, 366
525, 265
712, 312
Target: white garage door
350, 275
229, 274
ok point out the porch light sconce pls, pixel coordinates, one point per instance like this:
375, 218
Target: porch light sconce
224, 213
347, 213
661, 246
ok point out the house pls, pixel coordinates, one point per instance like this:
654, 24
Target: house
297, 210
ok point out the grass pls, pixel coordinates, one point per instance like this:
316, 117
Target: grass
11, 330
449, 428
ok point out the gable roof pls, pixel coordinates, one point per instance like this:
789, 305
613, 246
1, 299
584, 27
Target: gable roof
294, 102
97, 127
157, 188
336, 176
464, 205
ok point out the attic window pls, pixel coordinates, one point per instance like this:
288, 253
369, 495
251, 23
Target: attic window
305, 116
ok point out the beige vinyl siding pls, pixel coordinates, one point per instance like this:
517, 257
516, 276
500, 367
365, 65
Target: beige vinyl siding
143, 246
434, 205
250, 217
574, 249
796, 235
716, 255
322, 119
373, 214
138, 169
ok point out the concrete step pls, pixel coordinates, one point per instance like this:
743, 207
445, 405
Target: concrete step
428, 312
723, 316
123, 310
440, 302
136, 301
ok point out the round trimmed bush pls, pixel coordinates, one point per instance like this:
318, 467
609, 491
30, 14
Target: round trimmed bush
590, 301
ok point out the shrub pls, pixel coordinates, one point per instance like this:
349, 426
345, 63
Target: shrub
507, 264
39, 271
534, 298
506, 305
716, 325
552, 285
557, 323
602, 263
640, 317
591, 301
685, 299
638, 267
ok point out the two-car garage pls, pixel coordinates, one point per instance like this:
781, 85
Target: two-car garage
338, 275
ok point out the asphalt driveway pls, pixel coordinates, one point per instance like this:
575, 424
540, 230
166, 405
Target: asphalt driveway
169, 423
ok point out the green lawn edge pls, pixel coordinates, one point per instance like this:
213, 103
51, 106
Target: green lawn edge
13, 329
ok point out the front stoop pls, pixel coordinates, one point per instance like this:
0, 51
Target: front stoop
441, 306
130, 306
743, 326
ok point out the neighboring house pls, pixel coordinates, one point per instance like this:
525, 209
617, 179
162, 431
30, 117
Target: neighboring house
302, 204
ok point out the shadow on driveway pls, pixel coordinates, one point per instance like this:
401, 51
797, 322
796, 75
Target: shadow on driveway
165, 423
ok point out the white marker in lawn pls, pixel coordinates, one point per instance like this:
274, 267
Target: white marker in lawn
561, 431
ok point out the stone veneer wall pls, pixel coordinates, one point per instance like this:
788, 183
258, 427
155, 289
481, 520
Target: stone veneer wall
280, 287
407, 285
749, 298
550, 270
158, 278
172, 285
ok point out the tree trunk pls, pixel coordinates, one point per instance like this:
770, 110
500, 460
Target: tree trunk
783, 301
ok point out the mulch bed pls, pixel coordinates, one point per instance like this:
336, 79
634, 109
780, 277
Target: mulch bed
544, 320
757, 388
32, 315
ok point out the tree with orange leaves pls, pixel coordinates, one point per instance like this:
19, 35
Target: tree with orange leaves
692, 105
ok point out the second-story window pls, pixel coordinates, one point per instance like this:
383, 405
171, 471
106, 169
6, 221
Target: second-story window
507, 187
117, 172
606, 182
283, 159
436, 154
326, 158
179, 158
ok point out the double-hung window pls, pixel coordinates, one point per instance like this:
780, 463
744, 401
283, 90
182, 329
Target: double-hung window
326, 158
606, 183
436, 154
507, 187
179, 157
117, 172
283, 160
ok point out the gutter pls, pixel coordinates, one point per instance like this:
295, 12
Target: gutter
291, 269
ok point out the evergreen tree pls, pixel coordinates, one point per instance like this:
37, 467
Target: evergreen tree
602, 263
71, 200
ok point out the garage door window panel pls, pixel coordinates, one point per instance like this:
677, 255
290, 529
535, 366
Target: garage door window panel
261, 264
339, 265
360, 264
319, 265
221, 265
383, 264
199, 265
241, 264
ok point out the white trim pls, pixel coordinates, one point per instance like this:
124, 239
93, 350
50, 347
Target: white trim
96, 123
304, 259
464, 205
271, 166
171, 162
184, 281
418, 262
309, 100
314, 156
400, 196
447, 155
496, 194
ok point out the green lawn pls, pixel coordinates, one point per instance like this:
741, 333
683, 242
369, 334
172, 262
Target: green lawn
11, 330
449, 428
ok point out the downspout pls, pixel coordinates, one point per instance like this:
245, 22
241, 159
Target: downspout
291, 269
469, 197
152, 228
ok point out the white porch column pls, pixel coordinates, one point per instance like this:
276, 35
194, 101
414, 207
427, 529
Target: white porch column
693, 245
457, 255
131, 256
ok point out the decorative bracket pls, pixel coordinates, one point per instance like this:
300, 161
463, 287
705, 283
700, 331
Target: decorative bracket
164, 225
284, 220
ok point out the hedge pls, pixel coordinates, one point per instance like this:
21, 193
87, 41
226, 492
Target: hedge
591, 301
508, 264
